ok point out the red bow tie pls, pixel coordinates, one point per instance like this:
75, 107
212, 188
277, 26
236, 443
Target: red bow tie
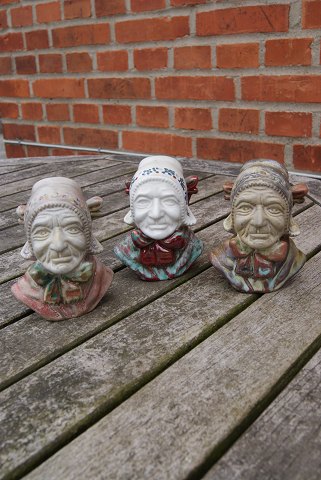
159, 252
250, 263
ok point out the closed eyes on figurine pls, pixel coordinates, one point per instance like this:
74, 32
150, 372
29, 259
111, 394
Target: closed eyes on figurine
170, 201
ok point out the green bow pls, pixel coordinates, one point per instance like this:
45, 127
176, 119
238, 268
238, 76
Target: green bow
61, 288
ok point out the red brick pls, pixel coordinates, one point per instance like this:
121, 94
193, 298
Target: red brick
283, 88
157, 143
307, 157
26, 64
9, 110
77, 9
31, 111
57, 112
15, 131
311, 17
63, 152
119, 88
238, 120
110, 7
192, 57
35, 151
152, 116
48, 12
179, 3
5, 65
4, 2
91, 34
150, 58
3, 19
261, 19
21, 16
242, 55
50, 63
117, 114
112, 61
85, 113
195, 88
15, 151
146, 5
91, 137
11, 42
288, 51
37, 39
152, 29
61, 88
288, 124
193, 118
237, 150
48, 134
14, 88
79, 62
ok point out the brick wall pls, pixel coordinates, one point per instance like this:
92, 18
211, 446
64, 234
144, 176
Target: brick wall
223, 80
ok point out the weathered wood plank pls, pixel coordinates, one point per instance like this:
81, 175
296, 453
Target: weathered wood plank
7, 168
285, 442
68, 170
183, 418
15, 199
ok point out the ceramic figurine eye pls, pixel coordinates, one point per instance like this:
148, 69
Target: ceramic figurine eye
73, 229
143, 202
170, 201
274, 209
41, 233
244, 208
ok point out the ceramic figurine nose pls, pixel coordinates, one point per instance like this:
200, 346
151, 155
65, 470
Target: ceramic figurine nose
156, 210
58, 240
258, 218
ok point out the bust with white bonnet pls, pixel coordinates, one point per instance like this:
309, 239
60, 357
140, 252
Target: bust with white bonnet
162, 245
66, 280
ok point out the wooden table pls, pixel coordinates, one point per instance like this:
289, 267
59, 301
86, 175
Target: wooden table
181, 379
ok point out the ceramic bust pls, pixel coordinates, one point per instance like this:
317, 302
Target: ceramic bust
260, 257
162, 245
66, 280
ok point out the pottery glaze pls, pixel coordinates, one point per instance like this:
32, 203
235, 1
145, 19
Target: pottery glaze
162, 245
66, 280
261, 256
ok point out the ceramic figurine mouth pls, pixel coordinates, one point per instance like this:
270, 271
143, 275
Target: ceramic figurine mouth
259, 235
62, 259
158, 227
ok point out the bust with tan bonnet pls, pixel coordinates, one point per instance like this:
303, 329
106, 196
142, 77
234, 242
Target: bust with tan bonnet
261, 256
66, 280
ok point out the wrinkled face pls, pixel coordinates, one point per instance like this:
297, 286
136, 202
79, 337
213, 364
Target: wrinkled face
156, 210
58, 240
260, 217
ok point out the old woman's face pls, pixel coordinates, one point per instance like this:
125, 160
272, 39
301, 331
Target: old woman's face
260, 217
58, 240
156, 210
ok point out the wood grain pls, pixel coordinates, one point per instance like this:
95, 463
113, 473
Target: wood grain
185, 416
285, 442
